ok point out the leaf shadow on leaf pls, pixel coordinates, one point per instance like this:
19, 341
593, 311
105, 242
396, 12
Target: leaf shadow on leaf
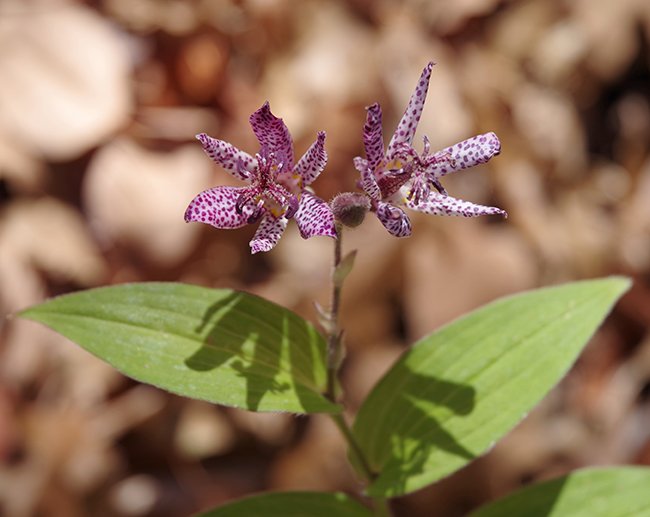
239, 338
304, 351
418, 430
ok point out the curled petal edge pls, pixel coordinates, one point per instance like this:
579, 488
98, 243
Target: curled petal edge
394, 219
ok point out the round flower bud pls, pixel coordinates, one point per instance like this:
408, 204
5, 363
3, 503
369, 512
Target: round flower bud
350, 208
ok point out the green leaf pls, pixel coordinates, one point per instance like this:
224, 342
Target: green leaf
218, 345
450, 397
603, 492
292, 504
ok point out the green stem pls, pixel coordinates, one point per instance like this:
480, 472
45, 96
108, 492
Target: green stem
334, 337
355, 450
333, 362
358, 457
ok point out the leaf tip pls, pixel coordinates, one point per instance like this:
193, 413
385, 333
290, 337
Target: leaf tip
26, 314
622, 283
616, 285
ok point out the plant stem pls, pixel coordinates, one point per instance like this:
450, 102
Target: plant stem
334, 343
355, 451
381, 505
334, 337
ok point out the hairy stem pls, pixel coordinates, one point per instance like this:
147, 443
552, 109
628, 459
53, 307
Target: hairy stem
334, 343
334, 336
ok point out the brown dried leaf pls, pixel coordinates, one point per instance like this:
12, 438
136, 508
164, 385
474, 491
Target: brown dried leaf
65, 83
329, 51
549, 121
203, 431
457, 271
137, 198
68, 253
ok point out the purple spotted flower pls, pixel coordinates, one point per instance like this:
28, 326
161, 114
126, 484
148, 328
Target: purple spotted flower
276, 189
401, 176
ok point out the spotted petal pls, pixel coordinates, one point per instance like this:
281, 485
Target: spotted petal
273, 135
314, 217
268, 233
238, 163
216, 206
409, 122
373, 137
394, 219
439, 204
368, 182
465, 154
313, 161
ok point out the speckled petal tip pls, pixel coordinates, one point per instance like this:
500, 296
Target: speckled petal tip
409, 122
373, 137
268, 233
438, 204
238, 163
216, 206
468, 153
273, 135
313, 161
394, 219
314, 217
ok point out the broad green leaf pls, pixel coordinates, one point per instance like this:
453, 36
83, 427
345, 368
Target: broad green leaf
292, 504
603, 492
218, 345
457, 391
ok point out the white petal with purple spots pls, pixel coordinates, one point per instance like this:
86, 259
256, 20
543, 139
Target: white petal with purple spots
373, 137
216, 206
438, 204
468, 153
368, 183
268, 233
313, 161
394, 219
409, 122
314, 217
238, 163
273, 135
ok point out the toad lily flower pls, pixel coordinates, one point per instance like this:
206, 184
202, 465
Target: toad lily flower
401, 176
276, 191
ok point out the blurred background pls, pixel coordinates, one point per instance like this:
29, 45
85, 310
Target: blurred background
99, 103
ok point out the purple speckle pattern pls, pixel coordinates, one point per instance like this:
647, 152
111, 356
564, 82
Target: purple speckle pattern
402, 176
313, 161
368, 182
409, 122
275, 190
373, 138
468, 153
314, 217
216, 207
394, 219
273, 134
238, 163
268, 233
439, 204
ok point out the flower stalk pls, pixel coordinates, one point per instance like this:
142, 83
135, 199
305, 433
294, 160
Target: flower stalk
341, 268
334, 337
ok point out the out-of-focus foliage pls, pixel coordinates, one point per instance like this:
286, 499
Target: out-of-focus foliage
99, 104
603, 492
290, 504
